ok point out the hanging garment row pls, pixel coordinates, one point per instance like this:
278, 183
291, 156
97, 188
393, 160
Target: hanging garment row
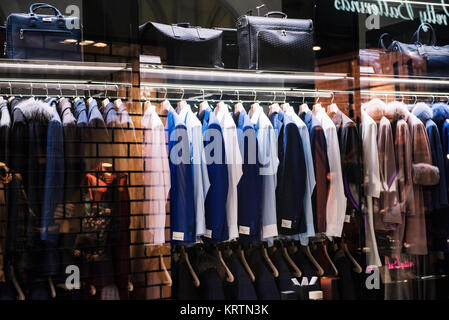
297, 186
407, 194
64, 196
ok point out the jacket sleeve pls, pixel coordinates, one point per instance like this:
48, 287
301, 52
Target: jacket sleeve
319, 154
352, 163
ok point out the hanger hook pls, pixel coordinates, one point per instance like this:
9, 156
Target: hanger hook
116, 86
105, 91
46, 88
31, 88
76, 90
10, 89
318, 98
204, 97
255, 95
433, 99
285, 97
303, 97
274, 97
333, 96
88, 89
182, 96
166, 93
221, 95
238, 95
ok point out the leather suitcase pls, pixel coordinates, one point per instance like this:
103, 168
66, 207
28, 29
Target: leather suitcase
268, 43
185, 45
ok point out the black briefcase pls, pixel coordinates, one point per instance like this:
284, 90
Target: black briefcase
185, 45
268, 43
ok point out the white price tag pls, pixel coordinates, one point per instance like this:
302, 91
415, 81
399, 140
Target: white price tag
286, 224
208, 233
244, 230
178, 236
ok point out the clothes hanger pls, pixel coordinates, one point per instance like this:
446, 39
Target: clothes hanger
269, 262
303, 108
285, 106
118, 102
167, 278
196, 281
229, 276
308, 253
323, 245
238, 107
52, 288
274, 106
221, 105
165, 105
296, 271
357, 267
76, 93
333, 108
255, 106
16, 285
317, 106
105, 101
204, 104
241, 254
11, 96
90, 96
181, 103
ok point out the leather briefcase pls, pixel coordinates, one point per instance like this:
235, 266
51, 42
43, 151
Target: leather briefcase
43, 37
185, 45
268, 43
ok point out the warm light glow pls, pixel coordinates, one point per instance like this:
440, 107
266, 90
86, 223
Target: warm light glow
316, 48
100, 45
86, 42
70, 41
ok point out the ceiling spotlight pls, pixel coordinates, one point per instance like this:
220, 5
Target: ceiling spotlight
100, 45
316, 48
70, 41
86, 42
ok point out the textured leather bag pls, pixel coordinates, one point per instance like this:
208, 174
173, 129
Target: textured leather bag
268, 43
425, 174
436, 58
185, 45
43, 37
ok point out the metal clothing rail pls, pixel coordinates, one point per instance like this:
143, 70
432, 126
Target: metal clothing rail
206, 92
73, 86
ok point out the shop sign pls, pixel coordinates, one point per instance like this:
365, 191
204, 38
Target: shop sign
398, 10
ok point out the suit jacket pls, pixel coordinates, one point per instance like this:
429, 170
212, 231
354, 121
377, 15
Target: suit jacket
291, 178
321, 161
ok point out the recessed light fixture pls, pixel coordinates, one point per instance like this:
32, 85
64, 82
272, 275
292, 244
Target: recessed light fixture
86, 42
316, 48
70, 41
100, 45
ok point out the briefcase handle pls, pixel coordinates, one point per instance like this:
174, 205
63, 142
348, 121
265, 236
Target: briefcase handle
433, 39
382, 41
276, 13
36, 6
